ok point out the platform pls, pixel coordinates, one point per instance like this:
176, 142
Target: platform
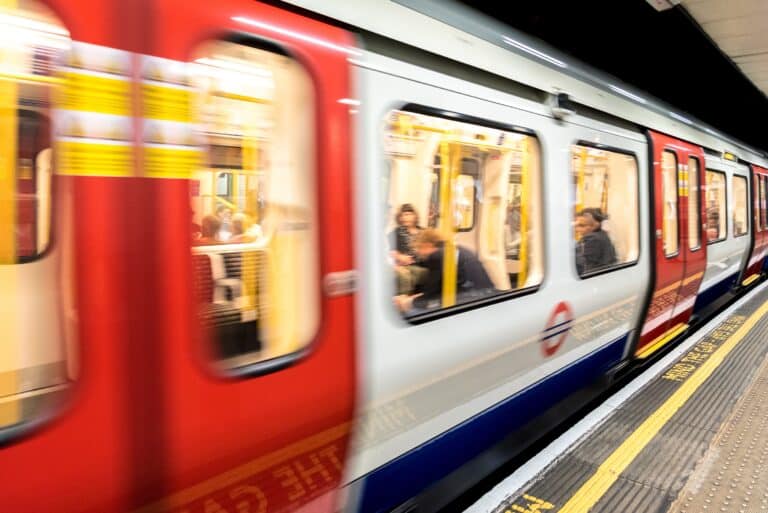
692, 439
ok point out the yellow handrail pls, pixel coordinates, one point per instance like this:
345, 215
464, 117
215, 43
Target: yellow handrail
446, 225
580, 180
525, 164
240, 97
225, 202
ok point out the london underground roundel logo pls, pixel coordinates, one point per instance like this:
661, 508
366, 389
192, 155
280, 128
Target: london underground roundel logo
559, 324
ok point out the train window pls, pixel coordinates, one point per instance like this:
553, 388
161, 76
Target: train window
467, 189
764, 202
36, 365
669, 195
759, 202
740, 206
761, 191
606, 214
254, 219
694, 212
25, 199
717, 220
759, 210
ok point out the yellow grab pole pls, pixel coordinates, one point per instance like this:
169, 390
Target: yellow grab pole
446, 226
8, 129
580, 180
249, 262
522, 274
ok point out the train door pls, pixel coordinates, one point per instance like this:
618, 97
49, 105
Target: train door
759, 226
71, 268
247, 115
680, 248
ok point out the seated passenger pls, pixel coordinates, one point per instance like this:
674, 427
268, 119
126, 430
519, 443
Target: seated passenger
402, 251
208, 231
594, 249
243, 229
224, 215
713, 224
472, 280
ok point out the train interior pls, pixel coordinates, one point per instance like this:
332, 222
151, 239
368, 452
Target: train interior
486, 199
607, 180
253, 221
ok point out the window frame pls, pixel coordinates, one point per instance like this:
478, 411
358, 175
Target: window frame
747, 206
280, 362
676, 253
725, 186
624, 265
441, 313
698, 246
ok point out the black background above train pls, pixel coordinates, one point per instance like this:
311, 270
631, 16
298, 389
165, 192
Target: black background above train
664, 53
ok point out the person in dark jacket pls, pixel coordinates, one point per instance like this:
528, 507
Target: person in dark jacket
594, 249
401, 241
472, 280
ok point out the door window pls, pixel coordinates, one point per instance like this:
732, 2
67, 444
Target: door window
694, 212
254, 222
669, 195
717, 219
606, 216
740, 206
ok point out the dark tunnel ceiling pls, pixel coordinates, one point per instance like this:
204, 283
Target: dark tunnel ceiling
664, 53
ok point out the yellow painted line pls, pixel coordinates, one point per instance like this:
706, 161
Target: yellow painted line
750, 279
662, 340
607, 474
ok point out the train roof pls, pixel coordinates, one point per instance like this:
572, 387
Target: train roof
453, 31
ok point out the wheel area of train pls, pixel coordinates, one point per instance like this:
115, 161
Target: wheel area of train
693, 439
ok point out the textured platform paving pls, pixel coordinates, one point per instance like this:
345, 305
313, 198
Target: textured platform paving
693, 440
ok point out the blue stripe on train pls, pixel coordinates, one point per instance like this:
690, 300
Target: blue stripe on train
408, 475
715, 292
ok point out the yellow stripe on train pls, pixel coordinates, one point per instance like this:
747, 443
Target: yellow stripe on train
167, 103
93, 93
88, 158
171, 162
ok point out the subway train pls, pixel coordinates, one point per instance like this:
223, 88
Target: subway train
317, 256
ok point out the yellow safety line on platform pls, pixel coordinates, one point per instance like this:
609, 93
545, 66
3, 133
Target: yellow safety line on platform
607, 474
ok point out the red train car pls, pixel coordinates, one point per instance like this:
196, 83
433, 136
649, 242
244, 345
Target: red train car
145, 404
